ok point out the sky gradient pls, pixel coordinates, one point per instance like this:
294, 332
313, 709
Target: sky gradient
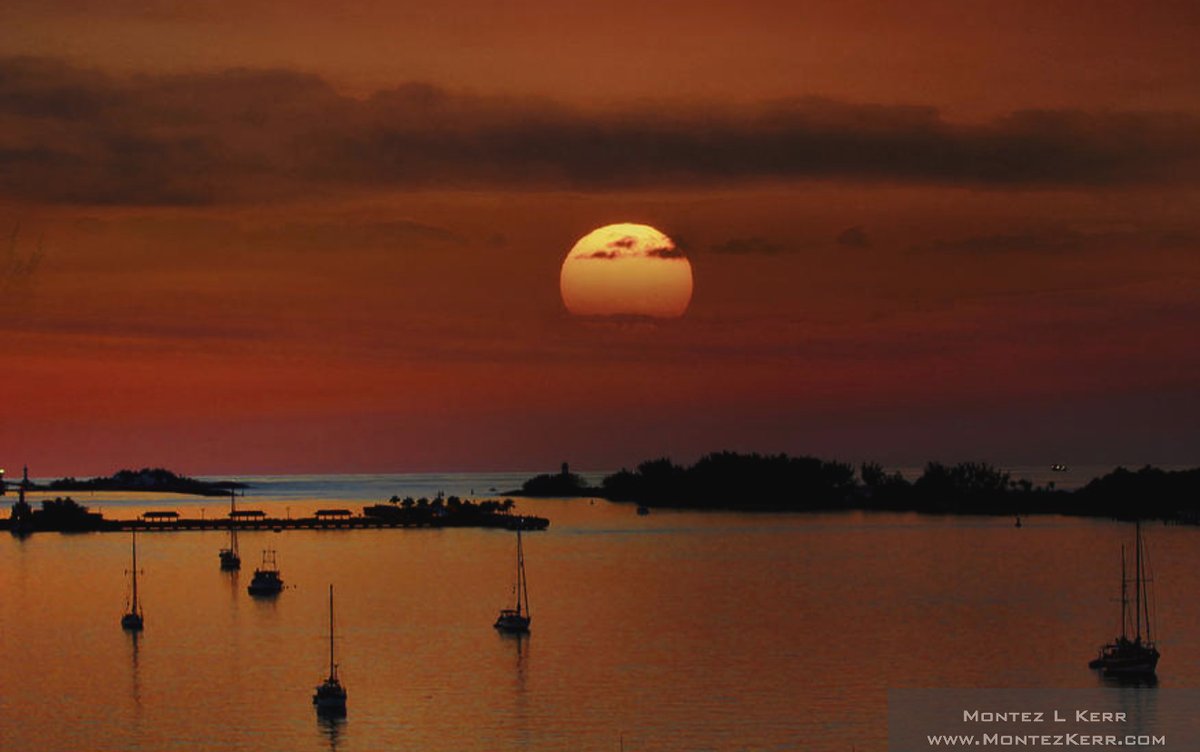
292, 238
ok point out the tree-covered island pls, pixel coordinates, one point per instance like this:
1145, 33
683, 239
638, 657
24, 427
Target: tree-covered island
780, 483
154, 479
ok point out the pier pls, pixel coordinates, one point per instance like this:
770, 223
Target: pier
158, 524
149, 524
65, 515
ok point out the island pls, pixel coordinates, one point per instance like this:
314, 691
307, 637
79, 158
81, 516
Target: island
65, 515
781, 483
147, 479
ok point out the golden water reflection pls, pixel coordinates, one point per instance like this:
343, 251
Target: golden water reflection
676, 631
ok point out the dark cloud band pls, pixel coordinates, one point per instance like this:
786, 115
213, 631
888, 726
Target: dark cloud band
79, 136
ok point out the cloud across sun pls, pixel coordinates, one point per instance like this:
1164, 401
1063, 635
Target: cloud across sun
626, 270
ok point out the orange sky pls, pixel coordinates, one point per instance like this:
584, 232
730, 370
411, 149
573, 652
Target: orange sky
298, 239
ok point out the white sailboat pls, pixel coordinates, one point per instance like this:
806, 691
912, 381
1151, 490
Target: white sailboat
133, 620
516, 620
330, 695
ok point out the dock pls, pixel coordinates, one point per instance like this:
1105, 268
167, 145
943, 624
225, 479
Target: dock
66, 516
279, 524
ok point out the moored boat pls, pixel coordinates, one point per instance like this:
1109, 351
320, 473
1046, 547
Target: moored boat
133, 619
266, 579
330, 695
516, 620
1137, 656
230, 559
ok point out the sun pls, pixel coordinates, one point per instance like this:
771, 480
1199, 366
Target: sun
626, 270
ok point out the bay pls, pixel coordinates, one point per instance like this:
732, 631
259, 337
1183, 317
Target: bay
674, 631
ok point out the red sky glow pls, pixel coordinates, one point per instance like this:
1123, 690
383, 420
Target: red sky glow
332, 241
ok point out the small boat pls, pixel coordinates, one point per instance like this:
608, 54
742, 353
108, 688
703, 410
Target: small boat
133, 620
330, 696
516, 620
266, 579
1136, 657
229, 556
230, 560
643, 510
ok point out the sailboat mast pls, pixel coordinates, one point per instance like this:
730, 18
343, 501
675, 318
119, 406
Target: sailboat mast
1124, 597
134, 608
1146, 598
520, 570
524, 582
1137, 586
331, 666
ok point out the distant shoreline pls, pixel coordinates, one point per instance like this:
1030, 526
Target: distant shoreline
152, 480
778, 483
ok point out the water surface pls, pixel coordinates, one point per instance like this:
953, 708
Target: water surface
674, 631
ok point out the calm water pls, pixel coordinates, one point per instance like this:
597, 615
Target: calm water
675, 631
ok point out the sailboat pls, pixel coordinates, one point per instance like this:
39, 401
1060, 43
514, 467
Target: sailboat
1124, 656
516, 620
133, 620
266, 579
230, 560
330, 696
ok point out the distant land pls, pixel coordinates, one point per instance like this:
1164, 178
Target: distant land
147, 479
64, 514
778, 483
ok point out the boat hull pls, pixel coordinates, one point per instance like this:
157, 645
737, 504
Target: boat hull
512, 622
330, 698
266, 582
1127, 659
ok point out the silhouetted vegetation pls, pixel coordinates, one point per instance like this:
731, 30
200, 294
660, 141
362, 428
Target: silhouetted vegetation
147, 479
1148, 493
452, 511
739, 481
754, 482
65, 514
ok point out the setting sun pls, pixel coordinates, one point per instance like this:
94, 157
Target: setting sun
626, 270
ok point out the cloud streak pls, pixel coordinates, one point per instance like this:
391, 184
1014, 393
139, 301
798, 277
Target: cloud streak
75, 135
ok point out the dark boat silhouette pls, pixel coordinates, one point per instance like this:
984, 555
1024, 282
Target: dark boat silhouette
266, 579
330, 695
1123, 656
133, 620
230, 560
516, 620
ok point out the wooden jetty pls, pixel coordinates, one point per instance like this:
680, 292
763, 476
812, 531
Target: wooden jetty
279, 524
76, 518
